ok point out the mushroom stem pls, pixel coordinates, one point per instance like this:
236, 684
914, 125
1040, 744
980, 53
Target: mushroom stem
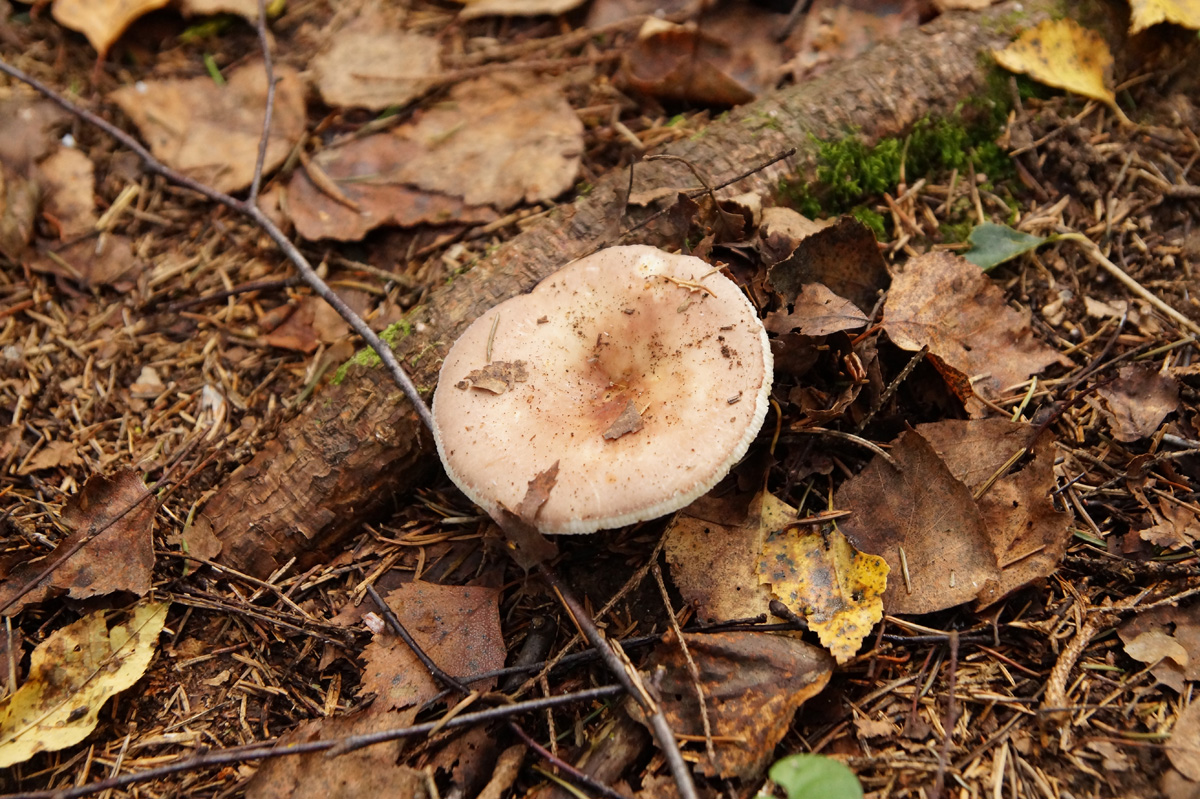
617, 665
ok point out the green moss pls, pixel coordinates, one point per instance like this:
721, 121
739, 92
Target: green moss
872, 219
367, 357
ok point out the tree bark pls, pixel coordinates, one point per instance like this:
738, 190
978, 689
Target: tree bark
359, 443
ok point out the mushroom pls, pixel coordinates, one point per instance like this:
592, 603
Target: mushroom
643, 375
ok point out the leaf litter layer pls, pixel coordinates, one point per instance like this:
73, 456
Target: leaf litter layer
246, 660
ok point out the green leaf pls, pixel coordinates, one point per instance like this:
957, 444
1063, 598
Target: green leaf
815, 777
992, 245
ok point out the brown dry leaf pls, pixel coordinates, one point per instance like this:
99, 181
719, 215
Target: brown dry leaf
101, 21
373, 64
1028, 535
1145, 13
71, 675
370, 771
945, 302
312, 323
836, 31
1178, 625
457, 626
713, 550
247, 9
816, 312
53, 455
499, 140
924, 523
818, 573
366, 174
508, 767
1064, 54
516, 8
1184, 747
26, 131
210, 132
69, 184
1176, 526
1136, 403
753, 684
1154, 645
19, 198
122, 557
684, 62
843, 256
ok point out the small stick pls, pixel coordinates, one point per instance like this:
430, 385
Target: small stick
693, 670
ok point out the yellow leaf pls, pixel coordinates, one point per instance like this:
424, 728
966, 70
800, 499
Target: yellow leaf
71, 675
1063, 54
1145, 13
101, 21
839, 589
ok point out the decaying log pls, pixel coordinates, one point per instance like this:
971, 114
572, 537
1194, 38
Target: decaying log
359, 443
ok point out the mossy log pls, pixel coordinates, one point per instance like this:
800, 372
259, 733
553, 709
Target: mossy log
359, 444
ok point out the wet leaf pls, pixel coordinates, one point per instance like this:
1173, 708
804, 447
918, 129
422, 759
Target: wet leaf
753, 683
924, 523
992, 245
815, 777
713, 551
843, 256
1145, 13
839, 590
101, 21
211, 132
457, 626
1063, 54
1136, 403
71, 675
947, 304
371, 64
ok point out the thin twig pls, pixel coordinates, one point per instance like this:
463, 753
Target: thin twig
260, 25
693, 670
939, 782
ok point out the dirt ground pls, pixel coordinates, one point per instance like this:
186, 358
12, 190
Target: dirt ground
184, 370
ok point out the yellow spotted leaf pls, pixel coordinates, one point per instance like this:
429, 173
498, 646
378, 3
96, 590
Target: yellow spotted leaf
1063, 54
1145, 13
818, 573
71, 675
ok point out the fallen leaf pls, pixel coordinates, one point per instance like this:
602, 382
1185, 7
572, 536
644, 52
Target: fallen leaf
53, 455
366, 174
26, 131
1154, 645
817, 311
843, 256
312, 323
69, 185
1064, 54
247, 9
495, 378
834, 31
838, 589
1028, 535
992, 245
1144, 13
499, 140
367, 771
753, 683
944, 302
807, 776
473, 9
210, 132
457, 626
508, 767
19, 199
682, 62
1176, 526
1137, 401
1181, 625
924, 523
713, 558
101, 21
71, 675
1183, 748
372, 64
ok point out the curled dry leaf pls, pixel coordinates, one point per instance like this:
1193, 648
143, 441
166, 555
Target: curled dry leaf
101, 21
842, 256
838, 589
71, 675
682, 62
457, 626
816, 312
1175, 526
753, 683
1136, 403
924, 523
1028, 535
211, 132
944, 302
372, 64
1064, 54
